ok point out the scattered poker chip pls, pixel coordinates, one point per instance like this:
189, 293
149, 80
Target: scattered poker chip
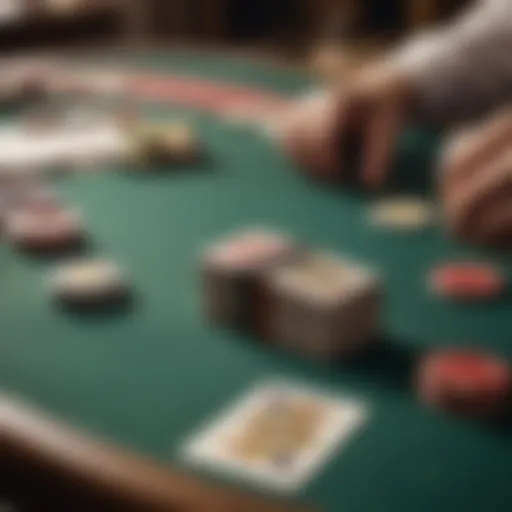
180, 141
402, 214
162, 143
19, 191
44, 226
89, 282
465, 382
467, 281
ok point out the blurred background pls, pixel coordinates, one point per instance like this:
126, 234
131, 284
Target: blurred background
291, 27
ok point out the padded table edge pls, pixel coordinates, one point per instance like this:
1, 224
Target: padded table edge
39, 441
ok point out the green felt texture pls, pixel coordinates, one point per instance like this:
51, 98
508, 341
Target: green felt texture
150, 376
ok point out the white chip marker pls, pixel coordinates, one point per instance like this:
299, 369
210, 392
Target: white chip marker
87, 280
402, 213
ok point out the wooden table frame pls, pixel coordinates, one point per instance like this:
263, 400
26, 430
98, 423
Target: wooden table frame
115, 477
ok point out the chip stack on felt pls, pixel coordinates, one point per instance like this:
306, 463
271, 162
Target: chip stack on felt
162, 143
232, 271
322, 305
466, 383
309, 302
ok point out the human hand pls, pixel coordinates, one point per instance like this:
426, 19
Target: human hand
372, 108
476, 182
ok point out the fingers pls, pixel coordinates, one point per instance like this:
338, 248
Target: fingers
315, 133
309, 134
381, 133
474, 148
479, 208
496, 224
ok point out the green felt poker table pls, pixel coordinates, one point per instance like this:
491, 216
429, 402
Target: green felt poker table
104, 401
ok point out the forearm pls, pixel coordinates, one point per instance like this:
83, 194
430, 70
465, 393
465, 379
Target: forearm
463, 69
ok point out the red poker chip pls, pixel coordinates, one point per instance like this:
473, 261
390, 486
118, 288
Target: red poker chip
464, 382
467, 281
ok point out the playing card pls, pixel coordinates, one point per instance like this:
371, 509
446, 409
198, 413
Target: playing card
278, 435
20, 149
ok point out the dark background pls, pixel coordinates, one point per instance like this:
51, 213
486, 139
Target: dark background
289, 25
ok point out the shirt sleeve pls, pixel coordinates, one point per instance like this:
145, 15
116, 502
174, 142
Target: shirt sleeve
464, 68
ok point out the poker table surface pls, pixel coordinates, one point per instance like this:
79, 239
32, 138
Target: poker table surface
106, 400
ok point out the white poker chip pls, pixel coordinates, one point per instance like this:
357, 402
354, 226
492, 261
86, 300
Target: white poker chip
43, 226
402, 214
88, 281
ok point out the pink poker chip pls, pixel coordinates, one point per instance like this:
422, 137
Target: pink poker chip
250, 249
44, 227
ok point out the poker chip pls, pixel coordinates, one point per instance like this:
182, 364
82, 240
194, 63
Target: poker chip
402, 214
162, 143
467, 281
21, 191
465, 382
44, 226
180, 141
248, 249
89, 282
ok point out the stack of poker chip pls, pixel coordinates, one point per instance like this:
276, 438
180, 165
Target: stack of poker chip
22, 189
465, 383
44, 227
322, 305
311, 303
231, 275
161, 143
33, 218
35, 221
